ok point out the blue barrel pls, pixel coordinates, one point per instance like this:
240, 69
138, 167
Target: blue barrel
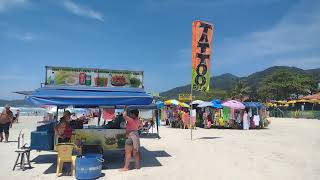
89, 166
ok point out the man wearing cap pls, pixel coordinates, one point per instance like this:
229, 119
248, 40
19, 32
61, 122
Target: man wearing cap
6, 118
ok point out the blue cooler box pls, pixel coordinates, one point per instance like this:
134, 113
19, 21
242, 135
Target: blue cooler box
42, 140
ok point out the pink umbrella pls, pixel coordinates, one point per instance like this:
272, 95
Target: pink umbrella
233, 104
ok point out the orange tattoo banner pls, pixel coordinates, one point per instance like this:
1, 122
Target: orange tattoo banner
201, 53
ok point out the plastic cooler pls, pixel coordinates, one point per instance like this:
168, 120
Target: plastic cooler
89, 166
42, 140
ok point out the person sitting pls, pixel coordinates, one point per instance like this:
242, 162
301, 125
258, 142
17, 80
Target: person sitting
63, 129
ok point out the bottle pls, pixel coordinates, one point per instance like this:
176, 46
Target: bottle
52, 79
97, 80
82, 78
88, 80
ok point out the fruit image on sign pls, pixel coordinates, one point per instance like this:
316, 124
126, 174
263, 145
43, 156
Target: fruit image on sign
67, 76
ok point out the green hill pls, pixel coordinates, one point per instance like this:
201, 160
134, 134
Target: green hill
14, 103
227, 81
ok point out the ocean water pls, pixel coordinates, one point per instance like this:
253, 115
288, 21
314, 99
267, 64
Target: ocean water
27, 111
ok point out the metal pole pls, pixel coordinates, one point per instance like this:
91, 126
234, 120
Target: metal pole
99, 116
190, 119
57, 113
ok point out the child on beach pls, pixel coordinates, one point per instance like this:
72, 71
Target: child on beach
132, 144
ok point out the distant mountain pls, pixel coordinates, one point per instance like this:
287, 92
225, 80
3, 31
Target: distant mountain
13, 103
228, 81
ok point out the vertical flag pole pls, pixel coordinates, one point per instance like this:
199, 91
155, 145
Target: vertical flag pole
190, 119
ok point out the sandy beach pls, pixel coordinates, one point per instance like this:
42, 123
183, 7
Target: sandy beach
288, 150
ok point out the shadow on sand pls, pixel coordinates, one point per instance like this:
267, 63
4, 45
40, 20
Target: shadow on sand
148, 159
150, 136
113, 160
208, 138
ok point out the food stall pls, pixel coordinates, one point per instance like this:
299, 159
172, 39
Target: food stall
65, 87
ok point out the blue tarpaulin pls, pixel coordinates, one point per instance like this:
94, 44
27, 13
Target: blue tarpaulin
88, 96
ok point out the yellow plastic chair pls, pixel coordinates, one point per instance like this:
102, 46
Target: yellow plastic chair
65, 155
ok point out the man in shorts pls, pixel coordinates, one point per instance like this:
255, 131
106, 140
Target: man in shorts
6, 119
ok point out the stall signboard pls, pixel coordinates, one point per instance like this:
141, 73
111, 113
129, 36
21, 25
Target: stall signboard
201, 54
108, 139
69, 76
184, 97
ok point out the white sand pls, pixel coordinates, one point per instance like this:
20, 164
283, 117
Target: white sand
289, 149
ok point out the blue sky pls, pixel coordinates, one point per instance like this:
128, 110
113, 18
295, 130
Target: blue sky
154, 36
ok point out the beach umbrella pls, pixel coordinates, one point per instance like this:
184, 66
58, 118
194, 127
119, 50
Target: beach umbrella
159, 104
217, 104
184, 105
171, 102
196, 102
205, 104
233, 104
253, 105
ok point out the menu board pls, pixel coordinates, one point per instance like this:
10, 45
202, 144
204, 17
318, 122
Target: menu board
68, 76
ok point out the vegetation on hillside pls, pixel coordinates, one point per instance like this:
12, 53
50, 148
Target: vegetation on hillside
275, 83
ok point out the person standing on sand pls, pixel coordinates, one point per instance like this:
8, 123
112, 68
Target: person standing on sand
6, 119
132, 144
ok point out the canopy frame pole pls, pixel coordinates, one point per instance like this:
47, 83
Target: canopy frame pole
99, 116
57, 113
157, 122
190, 118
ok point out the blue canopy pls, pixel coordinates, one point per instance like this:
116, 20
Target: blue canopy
139, 107
88, 96
217, 104
254, 105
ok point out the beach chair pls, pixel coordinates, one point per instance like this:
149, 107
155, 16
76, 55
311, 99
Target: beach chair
146, 129
23, 153
65, 156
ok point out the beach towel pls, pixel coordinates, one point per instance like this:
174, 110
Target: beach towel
226, 114
108, 114
256, 120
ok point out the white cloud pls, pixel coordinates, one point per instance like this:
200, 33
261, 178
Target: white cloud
297, 34
11, 77
82, 11
5, 5
303, 62
27, 37
293, 41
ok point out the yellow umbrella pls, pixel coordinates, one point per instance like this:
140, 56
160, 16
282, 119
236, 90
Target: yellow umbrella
172, 101
184, 105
